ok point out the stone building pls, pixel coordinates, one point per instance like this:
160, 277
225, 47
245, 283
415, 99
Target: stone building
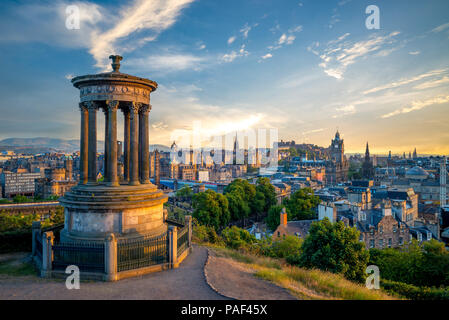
337, 165
367, 166
18, 183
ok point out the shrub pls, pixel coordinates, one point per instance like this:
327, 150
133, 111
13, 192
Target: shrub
237, 238
288, 246
413, 292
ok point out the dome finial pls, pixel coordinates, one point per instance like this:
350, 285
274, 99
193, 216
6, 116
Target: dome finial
115, 62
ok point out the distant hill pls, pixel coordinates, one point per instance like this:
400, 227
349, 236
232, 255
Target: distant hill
42, 144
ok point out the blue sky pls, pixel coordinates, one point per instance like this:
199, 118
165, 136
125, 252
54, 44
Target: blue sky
303, 67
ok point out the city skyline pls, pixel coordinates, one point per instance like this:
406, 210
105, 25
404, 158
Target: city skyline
303, 68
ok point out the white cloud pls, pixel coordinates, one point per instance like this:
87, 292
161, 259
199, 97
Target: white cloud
202, 47
432, 83
414, 53
418, 105
231, 40
69, 76
229, 57
406, 81
441, 28
339, 54
245, 30
156, 16
267, 56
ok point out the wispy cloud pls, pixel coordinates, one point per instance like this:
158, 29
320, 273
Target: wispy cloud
339, 54
229, 57
267, 56
406, 81
432, 83
154, 16
418, 105
441, 28
414, 53
231, 39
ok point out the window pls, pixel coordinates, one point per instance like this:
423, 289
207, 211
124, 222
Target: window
381, 243
401, 241
371, 243
395, 228
419, 236
429, 236
279, 234
381, 229
390, 241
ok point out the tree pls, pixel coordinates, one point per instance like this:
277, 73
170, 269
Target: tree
20, 199
301, 204
336, 248
273, 219
265, 187
184, 192
211, 209
237, 238
241, 196
293, 152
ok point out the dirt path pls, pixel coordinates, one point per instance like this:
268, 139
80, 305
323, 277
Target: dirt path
236, 280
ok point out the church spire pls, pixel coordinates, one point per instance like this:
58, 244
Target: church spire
367, 157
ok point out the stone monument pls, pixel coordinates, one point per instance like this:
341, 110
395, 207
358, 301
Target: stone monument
130, 208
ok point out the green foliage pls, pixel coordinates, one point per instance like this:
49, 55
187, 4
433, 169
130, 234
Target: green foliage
21, 199
273, 219
18, 222
265, 187
301, 204
184, 192
354, 171
204, 234
293, 152
413, 292
237, 238
421, 265
336, 248
211, 209
284, 248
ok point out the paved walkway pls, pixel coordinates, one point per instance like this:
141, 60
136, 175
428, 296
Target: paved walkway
184, 283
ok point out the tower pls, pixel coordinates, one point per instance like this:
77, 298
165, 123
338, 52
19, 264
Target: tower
443, 191
367, 167
415, 155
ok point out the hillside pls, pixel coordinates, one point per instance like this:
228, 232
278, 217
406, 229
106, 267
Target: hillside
44, 144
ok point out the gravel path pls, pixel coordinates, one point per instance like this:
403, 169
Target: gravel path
236, 280
184, 283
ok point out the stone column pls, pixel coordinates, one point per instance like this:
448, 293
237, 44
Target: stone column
110, 258
173, 246
92, 145
35, 232
84, 143
106, 145
126, 150
144, 145
111, 156
47, 254
134, 144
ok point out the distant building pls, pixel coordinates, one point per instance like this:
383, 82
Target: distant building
367, 166
337, 166
299, 229
22, 183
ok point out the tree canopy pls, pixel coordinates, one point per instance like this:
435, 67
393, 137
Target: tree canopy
336, 248
211, 209
301, 205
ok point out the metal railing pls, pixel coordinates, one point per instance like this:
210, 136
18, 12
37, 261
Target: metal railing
88, 257
183, 239
135, 254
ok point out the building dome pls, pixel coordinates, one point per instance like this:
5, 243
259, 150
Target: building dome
416, 173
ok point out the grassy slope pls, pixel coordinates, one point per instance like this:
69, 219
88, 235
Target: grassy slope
304, 284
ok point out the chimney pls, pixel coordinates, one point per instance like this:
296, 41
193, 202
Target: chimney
283, 217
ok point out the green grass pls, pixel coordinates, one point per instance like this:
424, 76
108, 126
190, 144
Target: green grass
303, 283
17, 268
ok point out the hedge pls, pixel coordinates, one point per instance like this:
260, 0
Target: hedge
15, 241
413, 292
